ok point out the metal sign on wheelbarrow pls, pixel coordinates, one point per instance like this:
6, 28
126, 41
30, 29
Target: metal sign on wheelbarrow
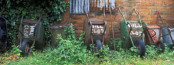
29, 30
97, 29
136, 29
155, 32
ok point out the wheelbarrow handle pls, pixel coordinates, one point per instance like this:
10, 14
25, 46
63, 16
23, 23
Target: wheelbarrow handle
86, 14
104, 14
160, 18
138, 14
158, 12
122, 15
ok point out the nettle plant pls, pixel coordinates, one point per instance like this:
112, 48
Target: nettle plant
14, 10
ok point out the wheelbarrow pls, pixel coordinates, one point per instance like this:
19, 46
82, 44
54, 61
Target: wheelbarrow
154, 35
3, 34
167, 35
31, 34
171, 33
96, 32
132, 34
56, 29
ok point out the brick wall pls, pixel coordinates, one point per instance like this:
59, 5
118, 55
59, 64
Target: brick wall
147, 9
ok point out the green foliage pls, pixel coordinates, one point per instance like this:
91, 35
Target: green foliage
118, 44
110, 57
71, 51
16, 50
68, 52
151, 52
13, 10
70, 33
134, 50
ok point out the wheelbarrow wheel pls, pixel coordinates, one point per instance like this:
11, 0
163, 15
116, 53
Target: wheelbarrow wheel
161, 46
140, 45
25, 47
166, 37
99, 45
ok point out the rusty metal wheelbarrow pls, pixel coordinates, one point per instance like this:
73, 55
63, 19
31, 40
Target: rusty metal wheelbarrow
96, 32
167, 33
132, 34
154, 35
31, 34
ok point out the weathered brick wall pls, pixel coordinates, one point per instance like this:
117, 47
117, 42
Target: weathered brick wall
147, 9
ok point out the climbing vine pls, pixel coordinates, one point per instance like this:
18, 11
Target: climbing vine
14, 10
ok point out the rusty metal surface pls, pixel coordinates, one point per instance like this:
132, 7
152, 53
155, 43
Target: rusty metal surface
97, 30
28, 30
97, 22
57, 27
87, 31
153, 33
136, 31
95, 19
29, 21
55, 30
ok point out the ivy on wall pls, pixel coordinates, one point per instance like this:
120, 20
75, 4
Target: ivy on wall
14, 10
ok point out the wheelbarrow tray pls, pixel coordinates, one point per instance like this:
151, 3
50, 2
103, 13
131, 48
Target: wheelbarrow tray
136, 33
33, 30
96, 30
137, 30
153, 34
171, 30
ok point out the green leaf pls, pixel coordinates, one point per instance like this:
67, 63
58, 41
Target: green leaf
23, 13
